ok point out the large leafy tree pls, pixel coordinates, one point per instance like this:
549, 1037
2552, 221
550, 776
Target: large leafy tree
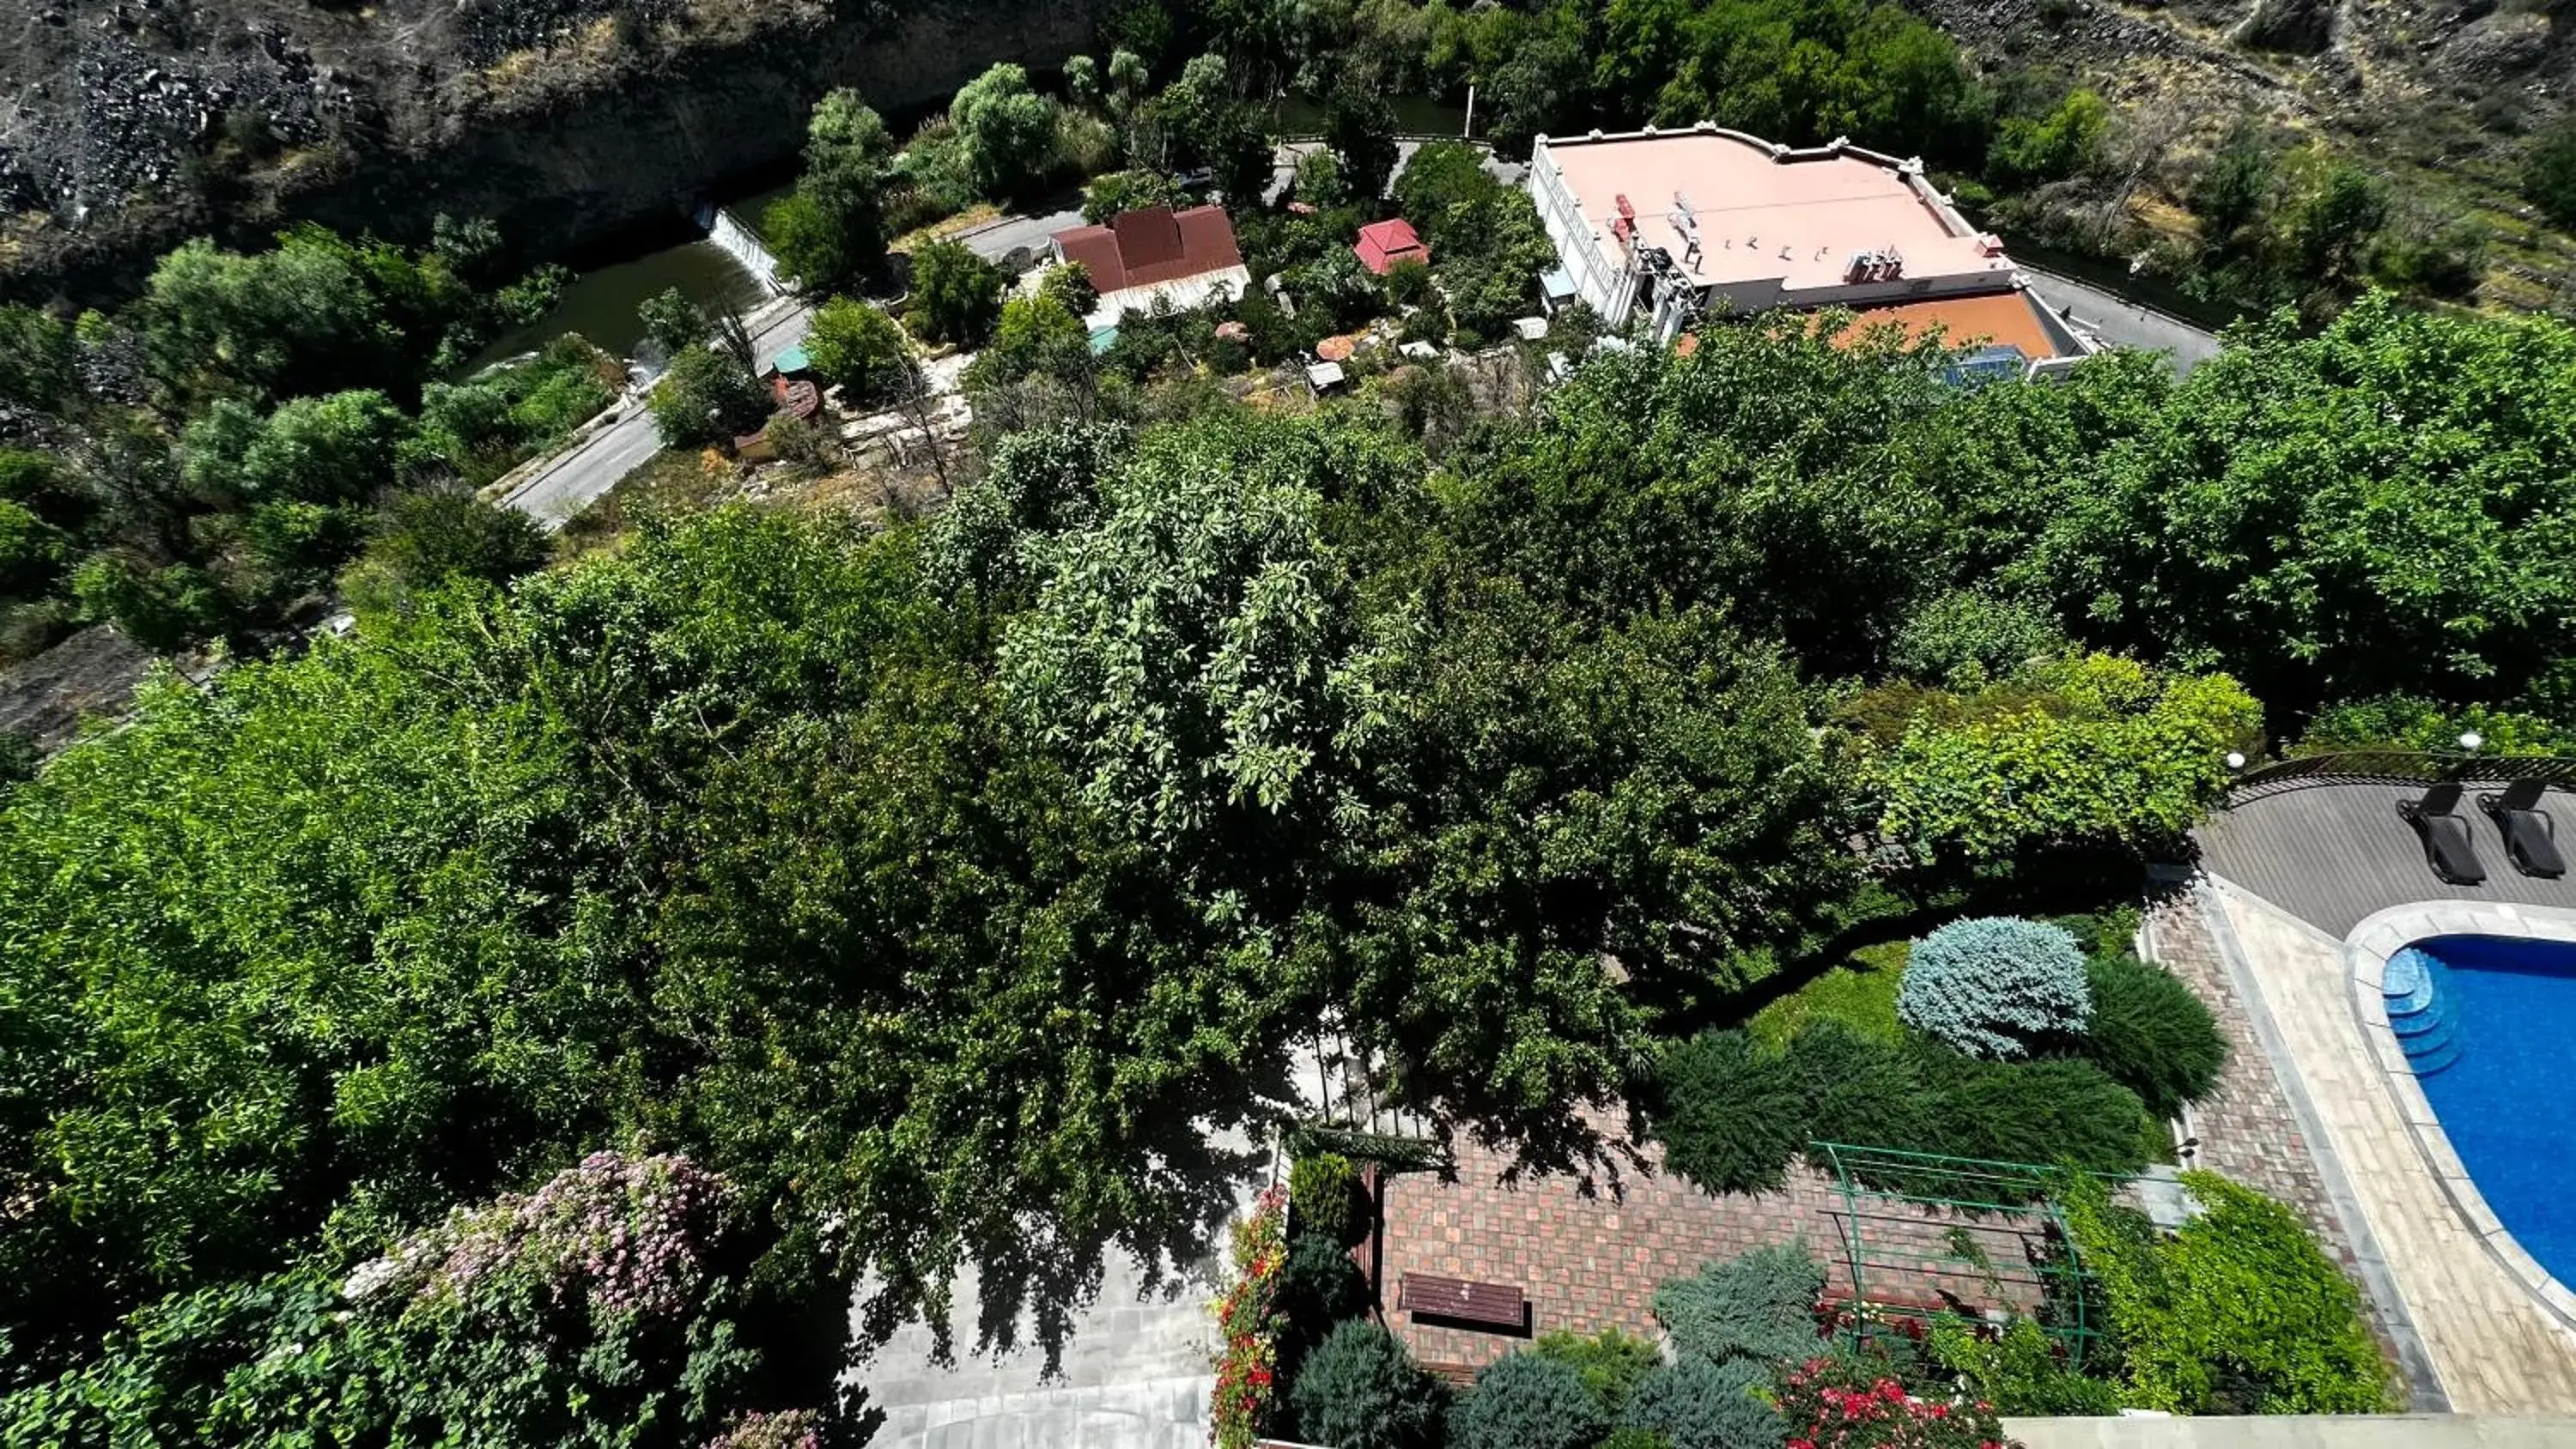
1007, 130
2382, 506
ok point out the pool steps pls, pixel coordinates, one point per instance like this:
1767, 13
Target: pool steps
2415, 1012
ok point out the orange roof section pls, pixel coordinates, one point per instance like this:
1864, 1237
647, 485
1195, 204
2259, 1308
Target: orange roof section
1796, 221
2008, 318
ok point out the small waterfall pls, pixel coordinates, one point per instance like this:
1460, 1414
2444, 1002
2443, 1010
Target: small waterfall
740, 243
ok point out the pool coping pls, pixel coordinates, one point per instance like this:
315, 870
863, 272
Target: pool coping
2366, 950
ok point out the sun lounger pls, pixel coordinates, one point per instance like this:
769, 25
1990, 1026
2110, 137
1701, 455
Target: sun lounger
2529, 837
2448, 847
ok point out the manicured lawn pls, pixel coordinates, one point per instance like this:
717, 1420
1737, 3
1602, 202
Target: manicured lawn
1860, 993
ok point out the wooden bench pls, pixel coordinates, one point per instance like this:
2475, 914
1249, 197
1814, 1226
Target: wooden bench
1498, 1305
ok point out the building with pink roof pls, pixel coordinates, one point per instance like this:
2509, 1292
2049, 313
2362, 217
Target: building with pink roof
1687, 223
1382, 244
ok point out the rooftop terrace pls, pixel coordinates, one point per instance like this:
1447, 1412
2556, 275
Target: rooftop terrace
1766, 213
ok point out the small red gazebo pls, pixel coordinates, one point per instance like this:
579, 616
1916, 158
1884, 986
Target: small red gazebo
1382, 244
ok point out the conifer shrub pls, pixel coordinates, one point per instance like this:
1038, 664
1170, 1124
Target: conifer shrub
1319, 1288
1759, 1307
1996, 986
1695, 1404
1728, 1113
2152, 1034
1610, 1363
2052, 1111
1359, 1389
1528, 1401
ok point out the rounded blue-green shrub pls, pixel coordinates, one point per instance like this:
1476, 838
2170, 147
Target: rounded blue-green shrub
1528, 1401
1696, 1404
1995, 986
1359, 1389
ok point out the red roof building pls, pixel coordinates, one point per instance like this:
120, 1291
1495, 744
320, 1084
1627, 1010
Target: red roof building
1151, 247
1382, 244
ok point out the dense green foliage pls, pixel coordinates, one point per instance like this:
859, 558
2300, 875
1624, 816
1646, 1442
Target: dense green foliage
2412, 722
2093, 751
956, 295
1527, 1401
483, 427
432, 538
2549, 172
2237, 1312
861, 350
830, 233
1758, 1307
612, 1305
1359, 1389
1731, 1114
1730, 1117
1324, 1193
2151, 1034
1610, 1363
1996, 986
2018, 1368
207, 456
1005, 130
1697, 1404
707, 396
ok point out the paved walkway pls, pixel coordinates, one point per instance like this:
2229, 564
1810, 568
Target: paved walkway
1592, 1261
2247, 1127
2493, 1349
2354, 1431
1136, 1376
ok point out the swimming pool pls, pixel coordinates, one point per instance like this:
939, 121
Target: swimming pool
2489, 1023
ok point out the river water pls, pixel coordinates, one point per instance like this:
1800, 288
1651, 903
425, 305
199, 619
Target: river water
600, 303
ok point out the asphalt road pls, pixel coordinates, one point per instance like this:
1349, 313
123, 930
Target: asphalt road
568, 484
574, 478
2123, 323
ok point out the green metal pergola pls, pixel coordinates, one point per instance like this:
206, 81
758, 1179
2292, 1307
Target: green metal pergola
1982, 1235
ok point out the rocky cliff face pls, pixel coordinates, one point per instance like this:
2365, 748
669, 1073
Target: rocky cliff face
2478, 70
126, 125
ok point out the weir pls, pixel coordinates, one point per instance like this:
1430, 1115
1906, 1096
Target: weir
743, 245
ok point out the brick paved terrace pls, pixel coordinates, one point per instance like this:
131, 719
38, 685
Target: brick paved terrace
1587, 1263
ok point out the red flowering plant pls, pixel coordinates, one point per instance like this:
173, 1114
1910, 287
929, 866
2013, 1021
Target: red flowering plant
1249, 1319
1856, 1403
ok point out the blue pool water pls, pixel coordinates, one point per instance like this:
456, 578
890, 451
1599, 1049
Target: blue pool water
2490, 1023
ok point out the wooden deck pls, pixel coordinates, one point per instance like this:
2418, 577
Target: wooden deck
2333, 853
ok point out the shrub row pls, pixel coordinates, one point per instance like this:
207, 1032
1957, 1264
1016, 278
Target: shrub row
1732, 1114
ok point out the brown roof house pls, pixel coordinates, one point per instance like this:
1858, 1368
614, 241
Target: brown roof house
1188, 258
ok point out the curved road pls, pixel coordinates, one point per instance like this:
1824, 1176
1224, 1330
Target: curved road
569, 482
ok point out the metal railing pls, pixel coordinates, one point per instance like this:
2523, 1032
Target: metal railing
2346, 767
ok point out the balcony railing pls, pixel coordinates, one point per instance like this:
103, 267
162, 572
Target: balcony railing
2344, 767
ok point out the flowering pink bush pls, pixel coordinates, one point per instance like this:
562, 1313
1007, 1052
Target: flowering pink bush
1841, 1404
617, 1235
790, 1429
1249, 1320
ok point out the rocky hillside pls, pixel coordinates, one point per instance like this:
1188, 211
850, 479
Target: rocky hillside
126, 125
2438, 93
